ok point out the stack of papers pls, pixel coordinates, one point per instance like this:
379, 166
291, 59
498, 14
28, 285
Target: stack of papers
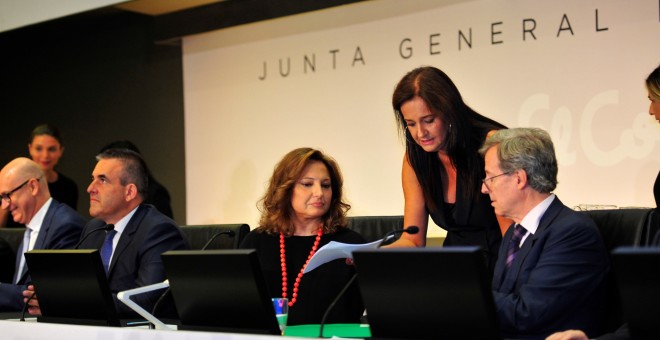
337, 250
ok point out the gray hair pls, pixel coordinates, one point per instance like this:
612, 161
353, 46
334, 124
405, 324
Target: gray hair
529, 149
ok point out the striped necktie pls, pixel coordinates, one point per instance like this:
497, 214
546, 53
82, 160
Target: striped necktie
518, 233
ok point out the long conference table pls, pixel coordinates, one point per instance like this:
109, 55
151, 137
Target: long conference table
30, 329
10, 329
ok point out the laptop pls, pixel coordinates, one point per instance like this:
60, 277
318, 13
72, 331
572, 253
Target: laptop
220, 290
72, 287
638, 278
427, 293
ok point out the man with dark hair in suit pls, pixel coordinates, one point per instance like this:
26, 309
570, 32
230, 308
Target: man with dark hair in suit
141, 233
552, 264
49, 223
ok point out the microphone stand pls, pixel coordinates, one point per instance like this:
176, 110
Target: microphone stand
409, 230
334, 302
229, 233
106, 227
25, 306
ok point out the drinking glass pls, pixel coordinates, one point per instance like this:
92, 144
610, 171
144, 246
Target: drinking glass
281, 306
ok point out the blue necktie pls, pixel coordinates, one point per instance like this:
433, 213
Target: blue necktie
518, 233
106, 250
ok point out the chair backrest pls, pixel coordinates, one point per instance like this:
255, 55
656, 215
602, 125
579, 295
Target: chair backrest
619, 227
622, 227
374, 228
7, 261
13, 236
199, 235
652, 234
10, 241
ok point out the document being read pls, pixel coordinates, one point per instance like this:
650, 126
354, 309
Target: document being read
337, 250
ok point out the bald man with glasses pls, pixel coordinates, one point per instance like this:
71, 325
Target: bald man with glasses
49, 224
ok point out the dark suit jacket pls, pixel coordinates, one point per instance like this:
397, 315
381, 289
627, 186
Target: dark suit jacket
556, 281
60, 230
136, 260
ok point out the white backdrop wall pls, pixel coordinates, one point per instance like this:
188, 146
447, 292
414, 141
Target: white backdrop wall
324, 79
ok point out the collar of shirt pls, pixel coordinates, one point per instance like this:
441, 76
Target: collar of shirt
120, 226
533, 217
36, 222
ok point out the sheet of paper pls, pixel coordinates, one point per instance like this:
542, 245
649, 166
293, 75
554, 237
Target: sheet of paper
337, 250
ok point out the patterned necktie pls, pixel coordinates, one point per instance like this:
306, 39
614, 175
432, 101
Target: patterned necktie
25, 246
106, 249
518, 233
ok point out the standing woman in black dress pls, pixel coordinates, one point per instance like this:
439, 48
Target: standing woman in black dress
442, 170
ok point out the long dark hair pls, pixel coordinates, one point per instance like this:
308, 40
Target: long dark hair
464, 131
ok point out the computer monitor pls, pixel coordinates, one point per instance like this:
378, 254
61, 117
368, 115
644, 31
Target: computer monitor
638, 278
220, 290
427, 293
72, 287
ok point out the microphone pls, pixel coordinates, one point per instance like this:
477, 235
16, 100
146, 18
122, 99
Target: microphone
25, 306
229, 233
390, 236
106, 227
387, 237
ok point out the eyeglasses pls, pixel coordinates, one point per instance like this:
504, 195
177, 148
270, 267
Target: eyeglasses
7, 196
491, 178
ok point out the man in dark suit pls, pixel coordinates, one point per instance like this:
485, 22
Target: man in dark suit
141, 233
552, 263
49, 223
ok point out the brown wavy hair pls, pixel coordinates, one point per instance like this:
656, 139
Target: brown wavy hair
275, 205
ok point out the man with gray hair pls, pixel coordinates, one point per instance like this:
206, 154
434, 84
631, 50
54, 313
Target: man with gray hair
552, 263
49, 223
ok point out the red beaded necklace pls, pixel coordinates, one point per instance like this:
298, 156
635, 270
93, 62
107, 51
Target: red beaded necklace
294, 296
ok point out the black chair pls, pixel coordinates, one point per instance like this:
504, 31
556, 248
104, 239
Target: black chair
7, 261
199, 235
619, 227
10, 241
652, 232
374, 228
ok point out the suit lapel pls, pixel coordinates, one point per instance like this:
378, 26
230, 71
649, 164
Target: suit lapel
41, 238
127, 236
498, 275
45, 226
512, 273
